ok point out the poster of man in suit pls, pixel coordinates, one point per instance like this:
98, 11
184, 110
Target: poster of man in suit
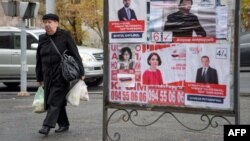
208, 75
127, 21
126, 13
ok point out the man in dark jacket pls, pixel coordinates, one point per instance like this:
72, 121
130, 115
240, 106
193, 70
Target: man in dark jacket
126, 13
48, 72
206, 74
182, 23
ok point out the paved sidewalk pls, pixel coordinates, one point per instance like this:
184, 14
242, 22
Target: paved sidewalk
18, 123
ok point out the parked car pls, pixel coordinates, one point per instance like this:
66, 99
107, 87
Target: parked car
245, 52
10, 53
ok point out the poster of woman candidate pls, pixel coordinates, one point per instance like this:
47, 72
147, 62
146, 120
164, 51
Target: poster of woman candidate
186, 21
145, 81
125, 74
171, 61
208, 76
127, 21
163, 73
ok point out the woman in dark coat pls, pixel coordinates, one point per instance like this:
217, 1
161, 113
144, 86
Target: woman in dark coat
49, 74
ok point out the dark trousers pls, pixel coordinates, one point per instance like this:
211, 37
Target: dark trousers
56, 115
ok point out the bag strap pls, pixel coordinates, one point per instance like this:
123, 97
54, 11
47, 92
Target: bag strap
54, 45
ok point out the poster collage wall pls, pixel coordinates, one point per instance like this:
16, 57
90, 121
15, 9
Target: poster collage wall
169, 53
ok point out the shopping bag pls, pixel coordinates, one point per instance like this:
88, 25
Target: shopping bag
38, 102
84, 93
73, 96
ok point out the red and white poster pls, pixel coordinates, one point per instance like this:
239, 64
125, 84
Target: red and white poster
163, 73
208, 76
172, 62
150, 74
125, 74
127, 21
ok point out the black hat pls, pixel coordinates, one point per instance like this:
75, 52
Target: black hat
51, 16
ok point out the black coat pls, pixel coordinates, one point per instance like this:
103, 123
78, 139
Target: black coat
184, 25
211, 76
123, 14
48, 67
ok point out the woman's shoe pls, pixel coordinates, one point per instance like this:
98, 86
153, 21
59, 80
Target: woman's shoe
45, 130
62, 129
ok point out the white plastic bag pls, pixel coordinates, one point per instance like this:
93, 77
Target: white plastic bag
73, 96
84, 93
38, 102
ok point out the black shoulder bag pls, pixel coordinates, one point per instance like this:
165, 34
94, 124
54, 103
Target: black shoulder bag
70, 69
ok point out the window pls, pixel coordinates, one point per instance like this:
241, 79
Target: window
5, 40
30, 40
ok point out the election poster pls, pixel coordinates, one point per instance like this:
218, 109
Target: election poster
127, 21
125, 75
163, 74
208, 76
151, 74
197, 21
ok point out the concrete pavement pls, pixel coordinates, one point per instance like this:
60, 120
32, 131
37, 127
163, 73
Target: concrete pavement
18, 123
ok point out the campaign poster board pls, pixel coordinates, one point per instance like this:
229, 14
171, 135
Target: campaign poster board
127, 24
174, 82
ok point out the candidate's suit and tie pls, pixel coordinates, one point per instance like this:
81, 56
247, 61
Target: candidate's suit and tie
128, 15
207, 76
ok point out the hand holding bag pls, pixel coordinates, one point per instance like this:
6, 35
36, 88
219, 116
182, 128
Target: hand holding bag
38, 102
70, 69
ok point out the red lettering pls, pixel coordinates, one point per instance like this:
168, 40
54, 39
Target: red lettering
180, 97
114, 56
171, 96
137, 65
138, 76
115, 95
144, 48
163, 96
114, 85
142, 97
140, 87
114, 47
137, 56
138, 47
114, 65
125, 96
153, 96
134, 96
151, 47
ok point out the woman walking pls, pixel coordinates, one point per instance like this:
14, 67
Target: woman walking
48, 72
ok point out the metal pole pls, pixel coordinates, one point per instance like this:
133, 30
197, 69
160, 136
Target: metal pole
24, 67
236, 63
50, 6
106, 71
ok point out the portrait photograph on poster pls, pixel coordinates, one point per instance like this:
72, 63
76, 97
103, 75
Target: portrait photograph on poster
127, 21
187, 21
